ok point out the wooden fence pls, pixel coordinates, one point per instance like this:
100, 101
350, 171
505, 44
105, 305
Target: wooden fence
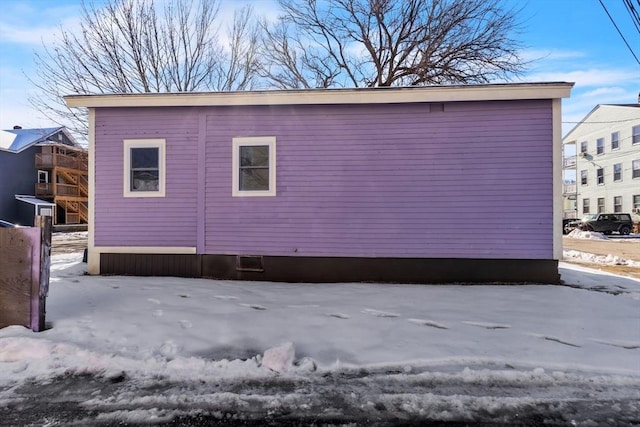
24, 274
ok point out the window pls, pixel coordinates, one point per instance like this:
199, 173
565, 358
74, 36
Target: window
617, 172
635, 166
635, 134
144, 168
617, 204
636, 202
615, 140
585, 206
600, 145
600, 204
583, 147
600, 176
43, 177
254, 166
583, 177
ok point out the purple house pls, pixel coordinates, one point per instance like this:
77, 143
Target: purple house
413, 185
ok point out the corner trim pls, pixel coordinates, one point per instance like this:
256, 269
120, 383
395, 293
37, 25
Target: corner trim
93, 258
557, 178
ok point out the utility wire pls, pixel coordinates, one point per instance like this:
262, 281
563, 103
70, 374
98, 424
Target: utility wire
635, 17
619, 32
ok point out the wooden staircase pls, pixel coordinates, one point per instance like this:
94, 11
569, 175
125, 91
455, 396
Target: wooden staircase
67, 184
75, 211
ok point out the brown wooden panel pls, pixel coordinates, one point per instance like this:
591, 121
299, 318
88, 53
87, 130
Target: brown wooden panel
336, 269
17, 274
178, 265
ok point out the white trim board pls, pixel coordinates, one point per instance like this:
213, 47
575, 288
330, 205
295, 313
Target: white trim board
387, 95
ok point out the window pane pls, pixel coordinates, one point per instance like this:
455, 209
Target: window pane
254, 156
144, 158
615, 140
254, 179
145, 180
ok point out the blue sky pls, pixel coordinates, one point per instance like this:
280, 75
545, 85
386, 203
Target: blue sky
566, 40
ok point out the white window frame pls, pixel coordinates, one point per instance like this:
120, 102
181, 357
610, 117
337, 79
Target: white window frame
584, 146
584, 177
635, 135
615, 138
600, 176
617, 207
600, 146
617, 172
160, 144
635, 169
43, 177
253, 141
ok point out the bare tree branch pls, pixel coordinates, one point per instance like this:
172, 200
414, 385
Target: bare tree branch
131, 46
391, 43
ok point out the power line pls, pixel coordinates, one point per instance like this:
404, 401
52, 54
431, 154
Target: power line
635, 16
619, 32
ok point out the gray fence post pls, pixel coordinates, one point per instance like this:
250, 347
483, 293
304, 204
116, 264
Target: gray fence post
39, 295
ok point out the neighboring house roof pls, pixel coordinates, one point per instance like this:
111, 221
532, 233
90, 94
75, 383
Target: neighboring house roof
17, 140
33, 200
586, 118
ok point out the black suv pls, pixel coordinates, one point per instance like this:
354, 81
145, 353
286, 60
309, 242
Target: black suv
607, 223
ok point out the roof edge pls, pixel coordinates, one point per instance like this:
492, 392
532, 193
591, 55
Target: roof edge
386, 95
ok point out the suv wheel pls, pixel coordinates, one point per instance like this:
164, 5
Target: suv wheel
625, 229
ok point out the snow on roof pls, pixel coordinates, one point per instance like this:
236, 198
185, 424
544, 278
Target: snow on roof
17, 140
32, 200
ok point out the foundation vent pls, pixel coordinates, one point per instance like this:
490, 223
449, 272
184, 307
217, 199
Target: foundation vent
249, 263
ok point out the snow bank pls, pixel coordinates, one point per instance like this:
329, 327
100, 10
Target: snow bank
589, 235
599, 259
279, 359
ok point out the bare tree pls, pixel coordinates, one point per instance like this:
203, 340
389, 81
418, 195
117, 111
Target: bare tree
130, 46
368, 43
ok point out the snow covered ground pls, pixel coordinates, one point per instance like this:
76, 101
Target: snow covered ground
586, 257
163, 331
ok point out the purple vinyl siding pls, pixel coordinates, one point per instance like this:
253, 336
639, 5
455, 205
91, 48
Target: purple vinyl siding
168, 221
474, 181
395, 181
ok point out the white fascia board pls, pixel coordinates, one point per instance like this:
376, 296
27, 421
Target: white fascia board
33, 200
393, 95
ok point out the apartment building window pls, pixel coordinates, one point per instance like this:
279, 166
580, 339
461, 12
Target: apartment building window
585, 206
636, 202
635, 135
600, 146
600, 204
600, 176
617, 204
635, 166
583, 147
583, 177
615, 140
617, 172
